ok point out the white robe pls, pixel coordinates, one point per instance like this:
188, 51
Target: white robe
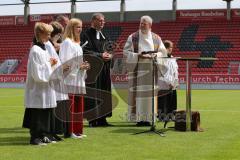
60, 88
71, 53
143, 103
170, 77
38, 91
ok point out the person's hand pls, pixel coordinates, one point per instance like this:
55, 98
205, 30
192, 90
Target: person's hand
154, 55
66, 68
57, 46
53, 61
85, 65
56, 38
145, 55
106, 56
170, 86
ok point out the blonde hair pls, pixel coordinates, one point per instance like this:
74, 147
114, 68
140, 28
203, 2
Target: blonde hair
69, 30
41, 28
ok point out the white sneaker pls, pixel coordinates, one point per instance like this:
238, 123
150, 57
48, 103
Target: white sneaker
83, 135
54, 142
75, 136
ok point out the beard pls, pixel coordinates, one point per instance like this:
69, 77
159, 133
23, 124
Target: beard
144, 31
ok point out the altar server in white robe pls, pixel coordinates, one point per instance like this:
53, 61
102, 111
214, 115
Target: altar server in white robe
139, 55
62, 111
40, 97
167, 97
71, 55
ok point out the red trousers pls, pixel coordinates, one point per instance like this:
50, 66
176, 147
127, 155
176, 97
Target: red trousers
76, 113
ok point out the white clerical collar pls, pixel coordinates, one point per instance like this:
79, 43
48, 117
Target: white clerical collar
98, 35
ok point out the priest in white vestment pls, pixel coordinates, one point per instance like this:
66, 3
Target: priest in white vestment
141, 50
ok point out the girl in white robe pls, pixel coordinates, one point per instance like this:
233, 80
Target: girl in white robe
71, 55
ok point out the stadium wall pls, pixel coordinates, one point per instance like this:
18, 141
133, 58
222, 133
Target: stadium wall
130, 15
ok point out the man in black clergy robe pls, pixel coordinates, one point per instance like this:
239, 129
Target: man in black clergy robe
98, 100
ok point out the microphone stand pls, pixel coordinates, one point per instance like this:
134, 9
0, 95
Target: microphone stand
153, 126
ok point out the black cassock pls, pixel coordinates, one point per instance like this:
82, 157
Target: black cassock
98, 99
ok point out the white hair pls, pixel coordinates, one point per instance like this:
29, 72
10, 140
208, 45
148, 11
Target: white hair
147, 19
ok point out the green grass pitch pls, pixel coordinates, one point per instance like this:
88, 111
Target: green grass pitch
220, 119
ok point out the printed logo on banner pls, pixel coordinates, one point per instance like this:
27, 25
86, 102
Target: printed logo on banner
7, 20
10, 78
202, 14
35, 18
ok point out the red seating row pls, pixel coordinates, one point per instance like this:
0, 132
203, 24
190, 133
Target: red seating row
15, 41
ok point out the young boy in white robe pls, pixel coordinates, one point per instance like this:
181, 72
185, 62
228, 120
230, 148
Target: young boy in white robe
62, 111
167, 97
40, 97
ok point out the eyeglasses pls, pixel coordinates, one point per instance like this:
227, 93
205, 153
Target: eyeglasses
101, 20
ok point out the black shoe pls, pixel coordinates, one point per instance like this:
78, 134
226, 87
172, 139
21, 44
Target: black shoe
37, 141
93, 124
147, 124
143, 123
67, 135
46, 139
56, 137
105, 124
109, 125
139, 124
165, 124
49, 138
